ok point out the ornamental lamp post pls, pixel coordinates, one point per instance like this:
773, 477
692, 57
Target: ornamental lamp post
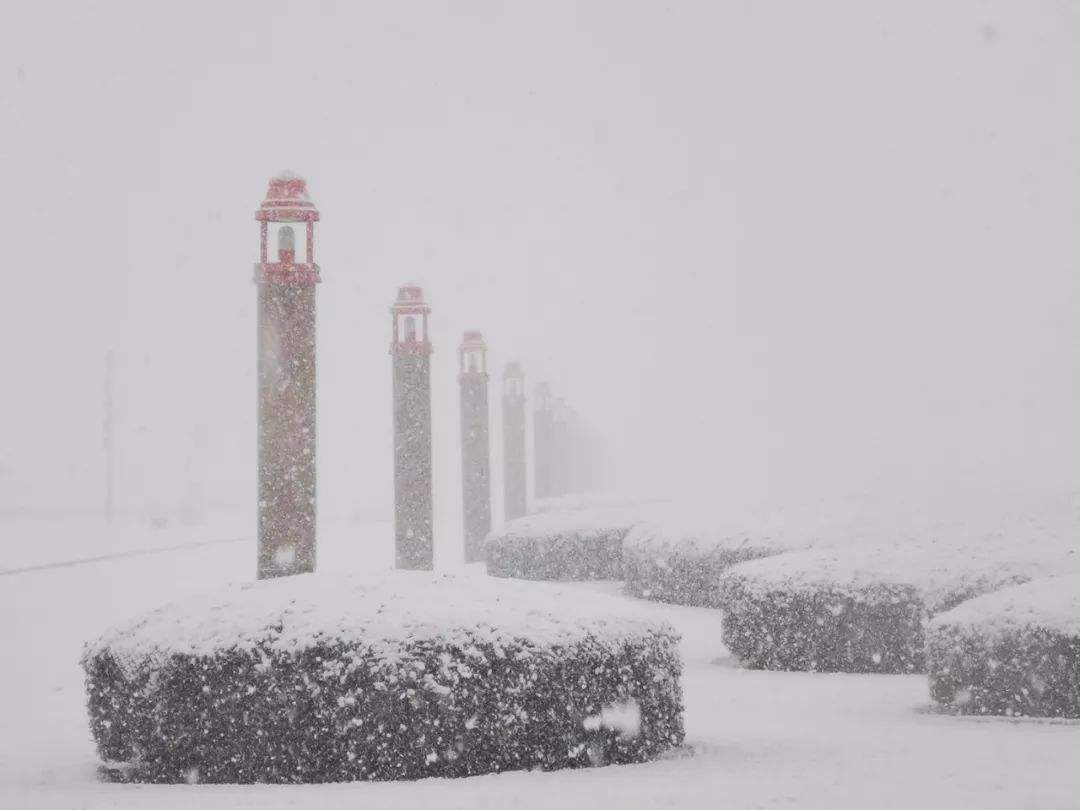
475, 444
543, 442
286, 379
515, 500
410, 349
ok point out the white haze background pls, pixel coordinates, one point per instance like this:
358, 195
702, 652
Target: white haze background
777, 251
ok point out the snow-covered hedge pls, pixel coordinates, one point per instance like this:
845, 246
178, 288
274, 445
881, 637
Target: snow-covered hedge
570, 545
679, 560
316, 679
1014, 652
857, 609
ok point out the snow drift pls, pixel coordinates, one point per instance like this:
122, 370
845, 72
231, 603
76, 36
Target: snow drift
317, 679
1014, 652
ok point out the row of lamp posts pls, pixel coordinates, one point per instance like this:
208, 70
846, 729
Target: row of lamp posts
285, 280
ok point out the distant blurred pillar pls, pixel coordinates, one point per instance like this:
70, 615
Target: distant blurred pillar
515, 501
543, 442
576, 452
562, 455
411, 352
597, 469
475, 444
286, 371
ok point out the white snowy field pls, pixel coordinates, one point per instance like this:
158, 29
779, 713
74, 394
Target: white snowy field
34, 542
754, 739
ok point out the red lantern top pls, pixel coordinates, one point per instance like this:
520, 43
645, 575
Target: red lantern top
287, 201
513, 380
410, 320
542, 397
410, 299
280, 262
472, 355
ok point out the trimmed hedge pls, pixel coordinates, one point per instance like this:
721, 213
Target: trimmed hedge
1016, 652
330, 680
575, 545
879, 629
851, 610
671, 563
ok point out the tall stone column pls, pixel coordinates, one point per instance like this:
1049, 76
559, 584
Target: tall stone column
543, 442
411, 352
562, 461
582, 457
515, 499
475, 444
286, 381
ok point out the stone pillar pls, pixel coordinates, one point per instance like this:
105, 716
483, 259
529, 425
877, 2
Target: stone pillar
411, 353
575, 452
543, 442
286, 381
561, 449
515, 501
475, 445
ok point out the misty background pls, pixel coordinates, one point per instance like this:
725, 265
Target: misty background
775, 251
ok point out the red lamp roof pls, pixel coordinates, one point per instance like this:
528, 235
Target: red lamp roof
287, 201
473, 340
410, 300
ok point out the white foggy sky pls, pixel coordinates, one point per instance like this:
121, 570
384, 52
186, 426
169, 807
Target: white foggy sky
779, 249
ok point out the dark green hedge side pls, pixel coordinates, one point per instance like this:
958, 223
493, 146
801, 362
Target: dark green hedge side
877, 630
569, 555
683, 578
340, 712
1032, 672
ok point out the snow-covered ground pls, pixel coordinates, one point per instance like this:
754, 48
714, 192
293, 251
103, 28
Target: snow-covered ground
35, 542
755, 739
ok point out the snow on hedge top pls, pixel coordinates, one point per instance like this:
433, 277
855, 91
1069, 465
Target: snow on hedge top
1049, 604
589, 500
941, 572
386, 614
697, 535
575, 521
